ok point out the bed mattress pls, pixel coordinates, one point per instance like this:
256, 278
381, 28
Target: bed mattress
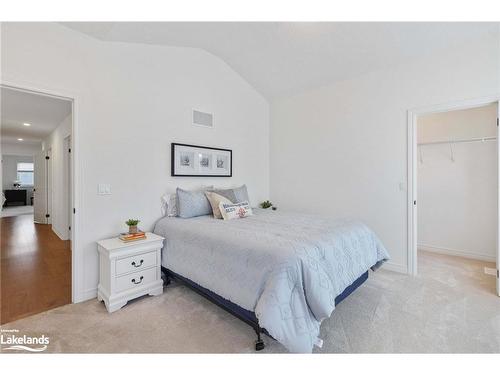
288, 268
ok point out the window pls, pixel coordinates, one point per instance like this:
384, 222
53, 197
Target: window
25, 174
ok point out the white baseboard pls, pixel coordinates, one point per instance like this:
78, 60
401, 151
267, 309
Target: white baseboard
455, 252
400, 268
64, 238
85, 296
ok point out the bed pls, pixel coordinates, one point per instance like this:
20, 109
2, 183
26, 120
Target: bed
282, 273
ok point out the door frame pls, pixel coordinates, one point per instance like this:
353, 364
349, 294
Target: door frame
37, 187
67, 184
412, 204
77, 260
49, 187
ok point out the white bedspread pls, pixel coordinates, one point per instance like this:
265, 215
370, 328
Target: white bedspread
286, 267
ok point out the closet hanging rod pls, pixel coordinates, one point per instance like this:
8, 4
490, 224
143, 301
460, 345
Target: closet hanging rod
485, 139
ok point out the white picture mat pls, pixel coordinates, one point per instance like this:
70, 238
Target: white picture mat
192, 160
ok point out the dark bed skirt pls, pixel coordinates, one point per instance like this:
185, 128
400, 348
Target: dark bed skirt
246, 315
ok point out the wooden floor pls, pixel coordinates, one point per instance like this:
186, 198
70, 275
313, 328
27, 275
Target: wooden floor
35, 268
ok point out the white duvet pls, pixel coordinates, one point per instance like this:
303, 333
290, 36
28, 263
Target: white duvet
286, 267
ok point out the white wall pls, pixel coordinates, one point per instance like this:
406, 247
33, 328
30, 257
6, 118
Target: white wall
20, 149
134, 100
457, 199
9, 172
341, 150
59, 199
469, 123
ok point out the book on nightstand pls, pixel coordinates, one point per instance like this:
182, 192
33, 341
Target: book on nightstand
129, 237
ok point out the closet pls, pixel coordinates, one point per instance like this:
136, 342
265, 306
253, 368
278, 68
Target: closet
457, 183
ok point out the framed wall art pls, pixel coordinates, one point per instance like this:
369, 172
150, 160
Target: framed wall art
201, 161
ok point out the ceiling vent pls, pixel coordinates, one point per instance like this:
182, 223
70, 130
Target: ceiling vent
203, 119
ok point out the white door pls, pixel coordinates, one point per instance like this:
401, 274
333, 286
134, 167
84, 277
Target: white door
48, 170
70, 191
498, 200
67, 183
40, 188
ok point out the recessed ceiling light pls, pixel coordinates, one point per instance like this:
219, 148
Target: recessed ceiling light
20, 139
26, 124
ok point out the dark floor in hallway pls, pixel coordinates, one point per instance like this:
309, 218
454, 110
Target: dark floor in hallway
35, 268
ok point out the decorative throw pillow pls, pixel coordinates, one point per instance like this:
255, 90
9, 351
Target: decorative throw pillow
215, 199
235, 211
226, 193
241, 194
192, 203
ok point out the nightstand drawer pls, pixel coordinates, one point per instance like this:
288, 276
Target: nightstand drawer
135, 279
135, 263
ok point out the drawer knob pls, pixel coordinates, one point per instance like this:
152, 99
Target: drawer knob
138, 265
138, 282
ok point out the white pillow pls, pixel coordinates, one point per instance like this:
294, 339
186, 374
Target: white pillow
235, 211
169, 205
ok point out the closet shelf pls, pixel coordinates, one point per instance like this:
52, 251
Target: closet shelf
471, 140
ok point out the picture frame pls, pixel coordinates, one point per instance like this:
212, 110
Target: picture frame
200, 161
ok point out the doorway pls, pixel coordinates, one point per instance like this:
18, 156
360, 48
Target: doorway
453, 194
36, 251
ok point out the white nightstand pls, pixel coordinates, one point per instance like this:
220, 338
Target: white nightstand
129, 270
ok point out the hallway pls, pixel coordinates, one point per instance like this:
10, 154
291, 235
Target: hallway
35, 268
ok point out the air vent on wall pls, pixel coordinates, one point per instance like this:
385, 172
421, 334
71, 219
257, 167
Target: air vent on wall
203, 119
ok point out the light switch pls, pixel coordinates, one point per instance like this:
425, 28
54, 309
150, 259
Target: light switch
104, 189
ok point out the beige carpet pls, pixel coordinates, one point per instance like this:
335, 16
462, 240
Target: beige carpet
449, 307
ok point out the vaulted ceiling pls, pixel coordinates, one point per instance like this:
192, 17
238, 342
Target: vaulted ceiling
280, 58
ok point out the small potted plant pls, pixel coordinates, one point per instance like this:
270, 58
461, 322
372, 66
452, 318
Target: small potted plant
132, 225
266, 204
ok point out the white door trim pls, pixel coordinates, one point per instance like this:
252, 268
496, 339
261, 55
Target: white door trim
498, 200
67, 178
412, 165
40, 188
49, 186
77, 260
